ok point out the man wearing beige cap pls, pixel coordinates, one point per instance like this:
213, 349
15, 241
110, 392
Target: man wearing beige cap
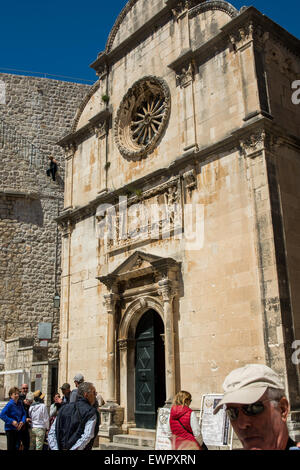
257, 408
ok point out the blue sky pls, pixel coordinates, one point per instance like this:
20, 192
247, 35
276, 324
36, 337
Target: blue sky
64, 37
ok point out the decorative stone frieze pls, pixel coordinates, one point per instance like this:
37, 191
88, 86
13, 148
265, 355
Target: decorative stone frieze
247, 33
190, 179
182, 7
166, 290
102, 70
258, 141
66, 227
123, 344
186, 75
123, 233
110, 302
101, 130
70, 150
142, 117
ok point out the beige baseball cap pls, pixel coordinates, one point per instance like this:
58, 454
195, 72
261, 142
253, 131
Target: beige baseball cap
248, 384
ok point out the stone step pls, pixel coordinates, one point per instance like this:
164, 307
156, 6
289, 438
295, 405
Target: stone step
118, 446
146, 433
131, 440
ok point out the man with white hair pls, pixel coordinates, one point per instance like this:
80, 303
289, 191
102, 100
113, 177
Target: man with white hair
78, 379
257, 408
77, 424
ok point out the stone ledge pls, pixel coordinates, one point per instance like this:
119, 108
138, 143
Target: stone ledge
229, 142
87, 130
19, 194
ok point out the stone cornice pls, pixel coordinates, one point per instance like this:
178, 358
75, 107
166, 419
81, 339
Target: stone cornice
31, 195
109, 57
19, 194
223, 38
178, 166
185, 57
280, 34
87, 130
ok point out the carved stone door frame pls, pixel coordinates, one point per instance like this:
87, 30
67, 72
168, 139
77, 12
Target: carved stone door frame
158, 292
126, 343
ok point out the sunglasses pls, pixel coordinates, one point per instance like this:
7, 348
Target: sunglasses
249, 410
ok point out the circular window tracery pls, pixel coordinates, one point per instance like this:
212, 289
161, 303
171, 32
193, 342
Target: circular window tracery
142, 117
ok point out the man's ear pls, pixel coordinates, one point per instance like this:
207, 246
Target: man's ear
284, 408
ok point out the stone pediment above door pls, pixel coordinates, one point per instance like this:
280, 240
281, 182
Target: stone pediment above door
141, 273
136, 264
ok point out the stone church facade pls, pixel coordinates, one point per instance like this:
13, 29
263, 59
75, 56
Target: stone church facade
191, 121
34, 113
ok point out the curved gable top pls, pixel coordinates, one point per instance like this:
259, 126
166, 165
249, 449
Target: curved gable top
132, 17
211, 5
83, 104
137, 13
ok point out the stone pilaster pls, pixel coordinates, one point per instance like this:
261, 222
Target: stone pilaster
70, 152
110, 304
185, 77
261, 150
167, 293
101, 135
112, 415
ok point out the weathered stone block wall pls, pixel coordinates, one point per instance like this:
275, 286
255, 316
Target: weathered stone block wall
220, 308
34, 115
83, 323
217, 93
288, 168
282, 67
217, 90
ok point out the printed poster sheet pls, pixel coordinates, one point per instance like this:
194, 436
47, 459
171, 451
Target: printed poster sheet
163, 434
214, 428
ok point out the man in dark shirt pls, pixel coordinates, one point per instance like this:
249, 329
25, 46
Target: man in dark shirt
77, 424
25, 433
23, 393
66, 391
53, 168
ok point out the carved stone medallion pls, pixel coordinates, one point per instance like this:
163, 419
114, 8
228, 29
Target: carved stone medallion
142, 117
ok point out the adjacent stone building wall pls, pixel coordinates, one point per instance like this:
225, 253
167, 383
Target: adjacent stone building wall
34, 114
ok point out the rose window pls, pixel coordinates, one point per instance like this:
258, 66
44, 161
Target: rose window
142, 117
148, 120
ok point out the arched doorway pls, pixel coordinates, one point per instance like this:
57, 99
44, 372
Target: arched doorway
150, 387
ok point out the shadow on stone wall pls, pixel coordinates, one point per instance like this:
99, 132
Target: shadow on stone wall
60, 182
28, 211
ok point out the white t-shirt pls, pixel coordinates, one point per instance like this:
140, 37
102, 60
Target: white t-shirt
39, 416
